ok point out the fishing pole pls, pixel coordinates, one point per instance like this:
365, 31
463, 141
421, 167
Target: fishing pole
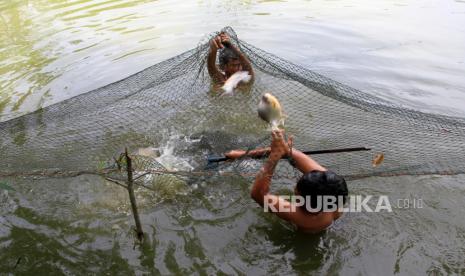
217, 159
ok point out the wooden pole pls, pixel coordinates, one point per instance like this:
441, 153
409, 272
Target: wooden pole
132, 197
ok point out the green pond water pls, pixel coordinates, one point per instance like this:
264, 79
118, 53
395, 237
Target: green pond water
409, 52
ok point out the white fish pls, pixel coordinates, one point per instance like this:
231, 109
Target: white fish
269, 110
232, 82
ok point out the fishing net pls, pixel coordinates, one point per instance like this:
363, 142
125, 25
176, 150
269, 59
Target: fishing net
171, 120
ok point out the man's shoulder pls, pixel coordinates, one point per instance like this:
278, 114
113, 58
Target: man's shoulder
313, 222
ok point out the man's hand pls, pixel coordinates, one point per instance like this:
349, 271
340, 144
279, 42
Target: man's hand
216, 44
279, 147
225, 39
220, 41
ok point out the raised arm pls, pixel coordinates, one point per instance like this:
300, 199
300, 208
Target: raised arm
262, 182
304, 163
213, 70
261, 188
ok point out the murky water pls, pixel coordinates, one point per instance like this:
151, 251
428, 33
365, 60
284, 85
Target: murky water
410, 52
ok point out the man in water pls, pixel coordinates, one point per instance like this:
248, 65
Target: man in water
231, 60
316, 182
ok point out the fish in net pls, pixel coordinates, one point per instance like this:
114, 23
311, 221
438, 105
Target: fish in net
170, 111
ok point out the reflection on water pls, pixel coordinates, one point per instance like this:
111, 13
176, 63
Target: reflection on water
407, 52
411, 52
83, 226
45, 46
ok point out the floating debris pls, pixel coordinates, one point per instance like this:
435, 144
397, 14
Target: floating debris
377, 160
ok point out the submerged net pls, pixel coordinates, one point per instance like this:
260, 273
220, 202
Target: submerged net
170, 120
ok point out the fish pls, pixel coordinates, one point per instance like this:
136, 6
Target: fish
270, 111
232, 82
377, 160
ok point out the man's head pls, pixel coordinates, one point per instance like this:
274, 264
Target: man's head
229, 61
318, 183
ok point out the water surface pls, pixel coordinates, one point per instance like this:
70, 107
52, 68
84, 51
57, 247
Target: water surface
409, 52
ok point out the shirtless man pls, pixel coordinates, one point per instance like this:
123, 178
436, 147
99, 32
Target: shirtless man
231, 60
316, 181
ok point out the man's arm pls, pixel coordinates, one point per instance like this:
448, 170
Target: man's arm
213, 70
261, 188
260, 193
304, 163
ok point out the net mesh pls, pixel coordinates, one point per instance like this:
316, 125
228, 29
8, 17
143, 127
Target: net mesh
171, 120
